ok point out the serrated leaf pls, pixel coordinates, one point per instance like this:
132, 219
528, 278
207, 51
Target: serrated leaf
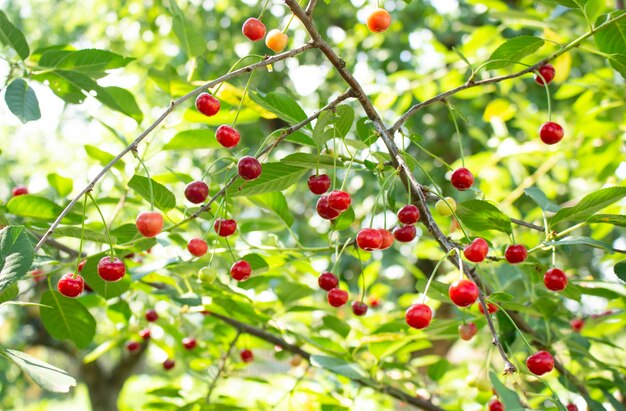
618, 62
338, 366
308, 160
540, 198
590, 204
344, 117
283, 106
192, 140
276, 203
13, 37
163, 198
274, 177
43, 374
509, 398
289, 292
612, 38
32, 206
366, 131
189, 36
89, 235
481, 215
62, 185
102, 156
322, 131
16, 255
513, 50
620, 270
92, 62
67, 319
22, 101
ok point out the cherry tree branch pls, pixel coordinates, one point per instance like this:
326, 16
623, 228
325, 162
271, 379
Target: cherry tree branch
222, 366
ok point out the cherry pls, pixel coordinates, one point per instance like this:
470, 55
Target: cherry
462, 179
145, 333
207, 274
492, 308
516, 253
151, 315
463, 293
39, 275
319, 184
495, 405
339, 200
387, 239
577, 324
196, 192
477, 250
19, 191
241, 270
359, 308
547, 72
325, 211
253, 29
249, 168
189, 343
246, 356
373, 301
378, 20
276, 40
207, 104
295, 361
467, 331
571, 407
81, 265
169, 364
132, 346
227, 136
224, 227
111, 269
327, 281
70, 285
418, 316
409, 214
197, 247
337, 297
555, 279
369, 239
444, 209
149, 223
405, 234
551, 132
540, 363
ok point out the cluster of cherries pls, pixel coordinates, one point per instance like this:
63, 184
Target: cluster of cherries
496, 405
254, 29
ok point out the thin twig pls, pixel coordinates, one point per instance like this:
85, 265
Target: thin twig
222, 366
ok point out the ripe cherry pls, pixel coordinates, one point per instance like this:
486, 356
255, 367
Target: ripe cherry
378, 20
462, 179
246, 356
276, 40
325, 211
373, 301
571, 407
81, 265
409, 214
359, 308
446, 208
197, 247
241, 270
467, 331
577, 324
327, 281
249, 168
145, 333
70, 285
253, 29
339, 200
418, 316
189, 343
151, 315
111, 269
319, 184
227, 136
540, 363
196, 192
492, 308
149, 223
132, 346
405, 234
19, 191
477, 250
39, 275
224, 227
555, 279
495, 405
515, 253
387, 239
463, 293
369, 239
169, 364
551, 132
207, 104
337, 297
547, 72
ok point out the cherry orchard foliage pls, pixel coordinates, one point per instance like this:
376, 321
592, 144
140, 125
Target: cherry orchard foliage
261, 256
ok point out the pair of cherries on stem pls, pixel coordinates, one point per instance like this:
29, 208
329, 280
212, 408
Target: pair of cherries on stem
110, 269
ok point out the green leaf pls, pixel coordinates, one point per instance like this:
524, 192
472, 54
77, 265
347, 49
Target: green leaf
13, 37
590, 204
366, 131
257, 262
189, 36
509, 398
513, 50
321, 132
343, 120
89, 235
615, 219
274, 177
308, 160
62, 185
92, 62
163, 199
344, 221
540, 198
283, 106
276, 202
339, 326
481, 215
612, 38
9, 293
67, 319
620, 270
593, 9
103, 157
582, 241
192, 140
338, 366
169, 81
289, 292
40, 208
43, 374
618, 62
22, 101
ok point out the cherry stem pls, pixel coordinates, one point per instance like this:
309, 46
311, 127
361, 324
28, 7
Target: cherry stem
106, 227
432, 274
289, 22
436, 157
380, 193
546, 86
458, 132
243, 97
515, 326
145, 168
263, 9
230, 250
235, 65
358, 252
345, 177
82, 236
348, 241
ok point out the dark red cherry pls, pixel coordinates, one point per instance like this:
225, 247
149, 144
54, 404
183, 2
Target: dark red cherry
19, 191
369, 239
169, 364
224, 227
418, 316
81, 265
319, 184
151, 315
197, 247
196, 192
462, 179
547, 72
571, 407
463, 293
495, 405
253, 29
132, 346
551, 132
359, 308
337, 297
555, 280
577, 324
207, 104
145, 333
246, 356
409, 214
388, 239
405, 233
70, 285
516, 253
227, 136
111, 269
325, 211
189, 343
249, 168
477, 250
467, 331
540, 363
339, 200
241, 270
327, 281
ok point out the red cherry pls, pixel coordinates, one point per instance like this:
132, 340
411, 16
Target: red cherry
409, 214
319, 184
169, 364
196, 192
515, 253
145, 333
540, 363
467, 331
555, 279
571, 407
224, 227
369, 239
149, 223
132, 346
477, 250
246, 356
547, 72
462, 179
327, 281
151, 315
337, 297
227, 136
339, 200
387, 239
71, 286
241, 270
324, 210
111, 269
378, 20
492, 308
207, 104
39, 275
418, 316
551, 132
249, 168
253, 29
373, 301
359, 308
463, 293
405, 234
19, 191
81, 265
189, 343
495, 405
577, 324
197, 247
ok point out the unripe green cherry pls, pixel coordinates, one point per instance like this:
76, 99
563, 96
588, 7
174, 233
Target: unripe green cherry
446, 209
207, 275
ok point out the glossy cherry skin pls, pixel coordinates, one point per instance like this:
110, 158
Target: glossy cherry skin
369, 239
197, 247
319, 184
516, 253
276, 40
540, 363
207, 104
463, 293
495, 405
571, 407
337, 297
388, 239
492, 308
405, 234
249, 168
227, 136
149, 223
168, 364
327, 281
551, 132
359, 308
462, 179
111, 269
547, 72
81, 265
409, 214
19, 191
132, 346
224, 227
189, 343
246, 356
151, 315
446, 208
467, 331
325, 211
70, 286
196, 192
555, 279
379, 20
339, 200
145, 333
577, 324
241, 270
477, 250
418, 316
253, 29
